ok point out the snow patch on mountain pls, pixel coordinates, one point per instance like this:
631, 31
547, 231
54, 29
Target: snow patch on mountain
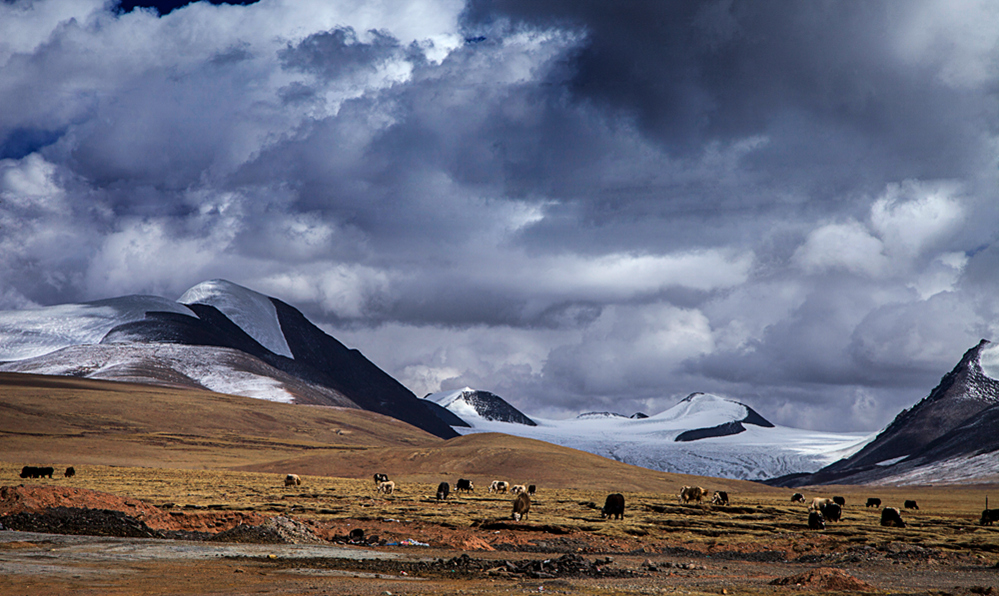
208, 367
33, 332
757, 453
702, 410
590, 415
977, 469
252, 311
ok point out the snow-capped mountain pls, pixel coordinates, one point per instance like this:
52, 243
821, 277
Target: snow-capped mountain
222, 370
717, 437
34, 332
952, 435
249, 344
470, 403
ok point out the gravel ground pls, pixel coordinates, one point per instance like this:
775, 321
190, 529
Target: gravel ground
39, 563
82, 542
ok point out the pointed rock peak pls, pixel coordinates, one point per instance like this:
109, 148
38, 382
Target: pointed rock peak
469, 403
988, 358
252, 311
972, 359
962, 394
968, 381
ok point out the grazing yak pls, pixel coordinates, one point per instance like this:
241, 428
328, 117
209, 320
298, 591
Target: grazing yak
841, 501
613, 507
692, 493
70, 472
832, 511
465, 485
873, 502
891, 516
531, 489
521, 506
989, 516
818, 502
292, 480
797, 498
719, 498
516, 489
37, 472
443, 490
379, 478
911, 505
499, 486
387, 487
816, 521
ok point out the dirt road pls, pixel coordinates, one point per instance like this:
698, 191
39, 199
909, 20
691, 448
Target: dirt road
39, 564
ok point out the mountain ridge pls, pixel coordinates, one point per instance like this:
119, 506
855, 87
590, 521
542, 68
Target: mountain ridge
315, 358
755, 451
957, 418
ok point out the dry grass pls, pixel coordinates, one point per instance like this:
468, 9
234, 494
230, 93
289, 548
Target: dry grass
204, 450
762, 520
74, 421
67, 421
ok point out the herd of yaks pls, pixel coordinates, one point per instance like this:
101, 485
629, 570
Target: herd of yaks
820, 510
42, 472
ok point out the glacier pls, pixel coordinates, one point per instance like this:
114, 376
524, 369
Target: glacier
758, 453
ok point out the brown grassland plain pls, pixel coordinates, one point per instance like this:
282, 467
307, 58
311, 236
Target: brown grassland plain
198, 453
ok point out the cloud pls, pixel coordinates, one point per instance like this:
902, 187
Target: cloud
911, 217
572, 204
848, 246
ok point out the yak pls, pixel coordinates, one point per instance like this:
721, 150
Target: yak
613, 506
521, 506
890, 516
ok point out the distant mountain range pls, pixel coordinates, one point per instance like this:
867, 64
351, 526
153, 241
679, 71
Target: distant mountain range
227, 338
703, 434
951, 436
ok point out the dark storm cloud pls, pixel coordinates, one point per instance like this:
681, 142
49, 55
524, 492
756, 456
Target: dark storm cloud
589, 205
334, 54
694, 72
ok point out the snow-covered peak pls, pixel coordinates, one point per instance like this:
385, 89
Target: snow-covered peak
252, 311
34, 332
474, 406
702, 410
446, 398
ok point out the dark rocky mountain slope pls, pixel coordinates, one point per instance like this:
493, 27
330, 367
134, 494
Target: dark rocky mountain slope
959, 417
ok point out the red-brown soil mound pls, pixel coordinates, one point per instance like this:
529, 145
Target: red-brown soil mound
826, 578
37, 499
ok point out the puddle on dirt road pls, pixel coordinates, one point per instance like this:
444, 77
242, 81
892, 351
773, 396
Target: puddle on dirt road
358, 574
45, 554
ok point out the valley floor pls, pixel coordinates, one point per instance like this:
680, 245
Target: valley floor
467, 544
